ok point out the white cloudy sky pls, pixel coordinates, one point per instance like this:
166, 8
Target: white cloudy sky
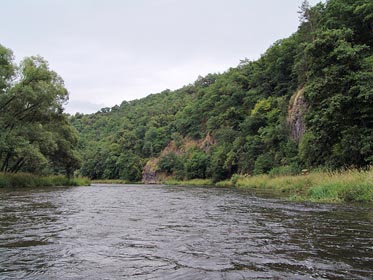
108, 51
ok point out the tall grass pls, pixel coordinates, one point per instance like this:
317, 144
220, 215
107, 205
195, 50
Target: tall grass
345, 186
192, 182
108, 181
30, 180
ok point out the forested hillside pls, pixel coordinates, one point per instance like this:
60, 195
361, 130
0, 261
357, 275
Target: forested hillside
35, 135
306, 103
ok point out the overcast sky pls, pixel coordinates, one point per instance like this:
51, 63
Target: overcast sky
108, 51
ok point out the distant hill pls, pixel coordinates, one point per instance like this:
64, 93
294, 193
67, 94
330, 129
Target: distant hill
306, 103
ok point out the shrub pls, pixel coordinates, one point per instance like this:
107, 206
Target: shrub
284, 170
30, 180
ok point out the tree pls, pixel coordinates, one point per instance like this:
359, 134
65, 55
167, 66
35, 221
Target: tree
246, 109
7, 71
196, 164
338, 94
35, 134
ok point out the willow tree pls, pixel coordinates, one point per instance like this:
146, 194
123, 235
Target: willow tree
34, 132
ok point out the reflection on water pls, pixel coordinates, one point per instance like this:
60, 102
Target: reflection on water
157, 232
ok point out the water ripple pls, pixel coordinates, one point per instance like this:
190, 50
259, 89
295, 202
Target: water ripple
158, 232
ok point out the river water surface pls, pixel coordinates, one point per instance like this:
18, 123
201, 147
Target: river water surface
160, 232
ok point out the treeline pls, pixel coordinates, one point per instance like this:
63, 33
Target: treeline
306, 103
35, 135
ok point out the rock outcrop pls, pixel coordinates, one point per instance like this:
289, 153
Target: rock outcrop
150, 175
207, 143
297, 108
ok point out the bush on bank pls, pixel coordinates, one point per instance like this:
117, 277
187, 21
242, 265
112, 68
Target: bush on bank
30, 180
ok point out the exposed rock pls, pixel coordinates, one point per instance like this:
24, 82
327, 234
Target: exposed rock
207, 143
297, 108
149, 174
171, 148
188, 143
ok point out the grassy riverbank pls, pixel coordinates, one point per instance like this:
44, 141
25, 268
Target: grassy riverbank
108, 181
318, 186
193, 182
335, 187
30, 180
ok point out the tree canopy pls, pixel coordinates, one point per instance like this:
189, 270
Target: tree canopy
35, 134
318, 81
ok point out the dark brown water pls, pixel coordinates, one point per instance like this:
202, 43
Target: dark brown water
158, 232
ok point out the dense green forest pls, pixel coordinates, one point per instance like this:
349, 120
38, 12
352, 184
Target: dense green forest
306, 103
35, 135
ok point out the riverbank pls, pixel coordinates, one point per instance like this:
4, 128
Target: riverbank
30, 180
331, 187
192, 182
108, 181
328, 187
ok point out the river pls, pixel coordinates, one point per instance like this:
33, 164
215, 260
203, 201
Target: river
162, 232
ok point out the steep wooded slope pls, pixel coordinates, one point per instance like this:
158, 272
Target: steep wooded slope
307, 102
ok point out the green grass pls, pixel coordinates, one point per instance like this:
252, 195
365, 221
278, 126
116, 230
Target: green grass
334, 187
30, 180
108, 181
193, 182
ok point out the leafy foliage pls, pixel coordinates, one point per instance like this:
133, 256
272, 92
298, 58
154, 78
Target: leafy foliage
35, 135
245, 109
